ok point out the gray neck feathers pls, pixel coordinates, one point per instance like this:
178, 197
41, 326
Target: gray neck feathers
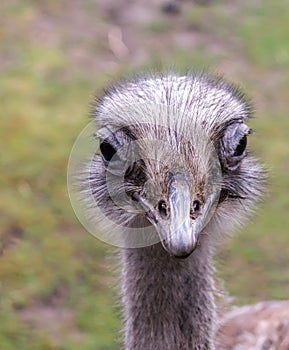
168, 303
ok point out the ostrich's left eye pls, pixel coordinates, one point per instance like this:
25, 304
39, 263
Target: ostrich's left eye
107, 151
233, 146
240, 149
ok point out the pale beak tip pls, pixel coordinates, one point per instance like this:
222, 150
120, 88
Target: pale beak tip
180, 251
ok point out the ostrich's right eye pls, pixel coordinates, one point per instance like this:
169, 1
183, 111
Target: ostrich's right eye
107, 151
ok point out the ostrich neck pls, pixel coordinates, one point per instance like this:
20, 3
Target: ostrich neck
168, 302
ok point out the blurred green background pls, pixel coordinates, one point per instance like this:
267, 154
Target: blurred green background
56, 288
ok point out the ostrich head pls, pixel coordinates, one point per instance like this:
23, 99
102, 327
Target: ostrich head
173, 158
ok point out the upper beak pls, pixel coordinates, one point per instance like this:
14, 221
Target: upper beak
180, 229
178, 233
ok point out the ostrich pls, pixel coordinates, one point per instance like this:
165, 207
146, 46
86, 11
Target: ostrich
172, 177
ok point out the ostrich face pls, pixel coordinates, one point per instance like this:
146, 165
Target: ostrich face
173, 152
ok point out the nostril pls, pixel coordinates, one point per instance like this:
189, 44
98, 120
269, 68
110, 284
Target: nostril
162, 208
196, 206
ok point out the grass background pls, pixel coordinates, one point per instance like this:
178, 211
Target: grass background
55, 284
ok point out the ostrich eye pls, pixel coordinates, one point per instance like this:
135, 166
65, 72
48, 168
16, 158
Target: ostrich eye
241, 146
233, 146
107, 151
162, 207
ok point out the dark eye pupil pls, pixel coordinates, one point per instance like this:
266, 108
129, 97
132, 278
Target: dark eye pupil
107, 151
162, 209
241, 146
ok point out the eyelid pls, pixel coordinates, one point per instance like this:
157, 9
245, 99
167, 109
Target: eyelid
102, 134
111, 142
105, 135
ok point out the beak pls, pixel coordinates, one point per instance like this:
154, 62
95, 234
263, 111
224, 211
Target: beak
180, 229
178, 234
